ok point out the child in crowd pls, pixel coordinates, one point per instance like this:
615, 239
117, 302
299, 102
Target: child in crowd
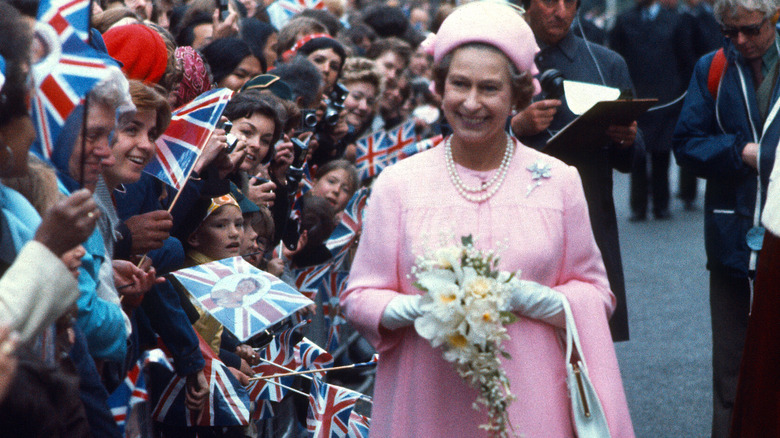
336, 181
218, 233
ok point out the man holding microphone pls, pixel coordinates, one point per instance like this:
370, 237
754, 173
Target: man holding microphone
579, 60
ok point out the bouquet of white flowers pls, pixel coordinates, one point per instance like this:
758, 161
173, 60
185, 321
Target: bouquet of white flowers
464, 311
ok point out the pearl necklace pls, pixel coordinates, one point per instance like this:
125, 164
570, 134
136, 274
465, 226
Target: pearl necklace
486, 190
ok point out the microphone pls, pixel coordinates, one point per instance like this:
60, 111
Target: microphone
552, 84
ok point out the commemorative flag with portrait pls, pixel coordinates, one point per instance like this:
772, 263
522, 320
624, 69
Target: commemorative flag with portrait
244, 299
191, 127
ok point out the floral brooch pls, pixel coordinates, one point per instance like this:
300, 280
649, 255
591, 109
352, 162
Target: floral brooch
539, 170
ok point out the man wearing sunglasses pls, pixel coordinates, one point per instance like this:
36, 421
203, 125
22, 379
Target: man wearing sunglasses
728, 133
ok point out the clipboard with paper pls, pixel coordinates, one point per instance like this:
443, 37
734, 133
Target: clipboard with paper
598, 107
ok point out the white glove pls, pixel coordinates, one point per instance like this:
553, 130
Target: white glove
533, 300
401, 311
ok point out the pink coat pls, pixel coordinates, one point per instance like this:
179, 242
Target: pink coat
547, 235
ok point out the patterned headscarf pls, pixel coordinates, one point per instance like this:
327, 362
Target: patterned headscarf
197, 76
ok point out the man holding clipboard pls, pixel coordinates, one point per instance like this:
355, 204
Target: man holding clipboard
579, 60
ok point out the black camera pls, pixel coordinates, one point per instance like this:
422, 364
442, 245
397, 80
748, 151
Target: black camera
334, 104
552, 84
224, 12
294, 176
308, 119
295, 171
231, 139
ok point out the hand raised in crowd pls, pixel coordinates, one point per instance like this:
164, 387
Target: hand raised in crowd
7, 360
750, 155
149, 230
215, 152
132, 280
275, 267
197, 391
248, 354
227, 28
622, 136
68, 223
341, 128
283, 158
233, 160
261, 191
72, 259
535, 118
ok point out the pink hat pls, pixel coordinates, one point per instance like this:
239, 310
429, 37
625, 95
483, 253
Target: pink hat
491, 23
140, 49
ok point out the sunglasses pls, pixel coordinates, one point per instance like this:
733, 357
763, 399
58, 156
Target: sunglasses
748, 31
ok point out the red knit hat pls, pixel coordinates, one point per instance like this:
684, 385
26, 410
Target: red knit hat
140, 49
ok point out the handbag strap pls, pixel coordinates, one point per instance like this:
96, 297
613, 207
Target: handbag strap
572, 336
578, 367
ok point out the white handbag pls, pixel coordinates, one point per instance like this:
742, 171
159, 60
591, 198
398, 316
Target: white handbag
587, 414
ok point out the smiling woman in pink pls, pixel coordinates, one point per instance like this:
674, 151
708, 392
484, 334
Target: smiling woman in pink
483, 182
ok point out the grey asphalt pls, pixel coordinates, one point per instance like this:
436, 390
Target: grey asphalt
666, 366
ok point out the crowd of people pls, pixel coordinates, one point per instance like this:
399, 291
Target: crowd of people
308, 170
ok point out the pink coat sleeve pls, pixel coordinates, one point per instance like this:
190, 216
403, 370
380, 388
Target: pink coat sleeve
374, 278
582, 270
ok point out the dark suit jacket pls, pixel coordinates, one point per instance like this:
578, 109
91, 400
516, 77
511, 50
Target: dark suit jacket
703, 34
654, 51
587, 62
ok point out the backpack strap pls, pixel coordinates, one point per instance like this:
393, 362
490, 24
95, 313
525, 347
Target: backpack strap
717, 67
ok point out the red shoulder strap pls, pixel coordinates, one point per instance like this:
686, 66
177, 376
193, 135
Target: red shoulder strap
717, 67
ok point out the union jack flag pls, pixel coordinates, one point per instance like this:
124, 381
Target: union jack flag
332, 287
65, 76
227, 404
310, 356
76, 12
180, 146
308, 280
276, 357
358, 425
419, 146
371, 154
281, 11
330, 407
398, 139
241, 297
132, 390
346, 233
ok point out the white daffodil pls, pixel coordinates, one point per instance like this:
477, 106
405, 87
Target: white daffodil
436, 330
463, 312
484, 321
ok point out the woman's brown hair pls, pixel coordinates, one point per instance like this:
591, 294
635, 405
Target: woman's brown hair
147, 98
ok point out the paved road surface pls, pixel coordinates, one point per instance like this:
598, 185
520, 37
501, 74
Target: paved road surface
666, 364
